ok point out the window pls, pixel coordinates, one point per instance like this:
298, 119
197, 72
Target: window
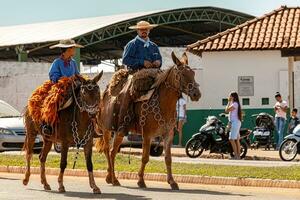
224, 102
265, 101
246, 101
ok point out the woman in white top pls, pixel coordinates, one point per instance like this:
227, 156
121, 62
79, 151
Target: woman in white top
235, 117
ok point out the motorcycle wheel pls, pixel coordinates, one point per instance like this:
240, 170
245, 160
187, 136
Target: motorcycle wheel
57, 147
193, 148
244, 149
288, 150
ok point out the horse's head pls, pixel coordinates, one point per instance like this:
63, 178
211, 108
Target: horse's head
185, 77
89, 94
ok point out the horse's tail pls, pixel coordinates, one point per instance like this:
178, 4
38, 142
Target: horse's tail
25, 115
99, 144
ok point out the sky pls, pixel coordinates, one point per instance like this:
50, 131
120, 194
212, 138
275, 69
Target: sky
13, 12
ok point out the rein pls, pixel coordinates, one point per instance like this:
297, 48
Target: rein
91, 110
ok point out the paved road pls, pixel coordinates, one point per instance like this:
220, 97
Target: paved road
77, 188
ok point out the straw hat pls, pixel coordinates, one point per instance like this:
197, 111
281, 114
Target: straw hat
66, 44
143, 25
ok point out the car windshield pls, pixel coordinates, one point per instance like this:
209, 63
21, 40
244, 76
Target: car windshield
7, 110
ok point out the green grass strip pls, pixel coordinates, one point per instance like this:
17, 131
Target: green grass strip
99, 161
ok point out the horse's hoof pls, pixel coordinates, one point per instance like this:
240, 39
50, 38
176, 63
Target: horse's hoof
108, 180
116, 183
141, 184
61, 189
96, 191
47, 187
25, 182
174, 186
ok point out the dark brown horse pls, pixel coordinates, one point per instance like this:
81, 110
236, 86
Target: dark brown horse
155, 117
75, 126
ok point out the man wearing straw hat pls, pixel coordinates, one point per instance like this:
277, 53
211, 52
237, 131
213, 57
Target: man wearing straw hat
64, 66
141, 52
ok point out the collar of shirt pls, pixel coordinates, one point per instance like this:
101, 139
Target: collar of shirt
66, 62
146, 42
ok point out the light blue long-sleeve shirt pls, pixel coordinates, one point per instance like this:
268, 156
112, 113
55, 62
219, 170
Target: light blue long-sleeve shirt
137, 51
61, 68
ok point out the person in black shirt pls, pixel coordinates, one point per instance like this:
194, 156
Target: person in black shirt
294, 121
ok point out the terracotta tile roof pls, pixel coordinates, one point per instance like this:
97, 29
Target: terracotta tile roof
279, 29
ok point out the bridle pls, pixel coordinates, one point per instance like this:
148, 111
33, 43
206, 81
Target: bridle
178, 85
90, 109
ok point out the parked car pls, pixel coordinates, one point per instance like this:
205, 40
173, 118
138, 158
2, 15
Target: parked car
134, 141
12, 130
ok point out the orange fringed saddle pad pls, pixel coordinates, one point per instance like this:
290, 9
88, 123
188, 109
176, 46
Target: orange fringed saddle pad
45, 100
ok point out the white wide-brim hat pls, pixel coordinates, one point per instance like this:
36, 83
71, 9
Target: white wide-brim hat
143, 25
66, 44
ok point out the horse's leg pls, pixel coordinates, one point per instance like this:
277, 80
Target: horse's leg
43, 156
63, 165
168, 160
106, 138
28, 147
118, 138
145, 160
88, 150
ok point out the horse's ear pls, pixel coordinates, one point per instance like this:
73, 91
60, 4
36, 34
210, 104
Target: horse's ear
184, 59
175, 59
98, 77
80, 78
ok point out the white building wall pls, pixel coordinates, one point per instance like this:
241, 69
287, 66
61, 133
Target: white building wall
297, 84
220, 76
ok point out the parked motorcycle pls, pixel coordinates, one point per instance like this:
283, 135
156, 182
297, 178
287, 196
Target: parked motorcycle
213, 136
263, 131
290, 146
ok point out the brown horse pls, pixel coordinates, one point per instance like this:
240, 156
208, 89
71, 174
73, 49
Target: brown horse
75, 126
155, 117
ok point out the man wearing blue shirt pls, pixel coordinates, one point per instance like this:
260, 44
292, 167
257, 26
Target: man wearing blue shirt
64, 66
141, 52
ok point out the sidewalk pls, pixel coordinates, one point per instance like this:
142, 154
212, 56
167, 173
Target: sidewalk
255, 154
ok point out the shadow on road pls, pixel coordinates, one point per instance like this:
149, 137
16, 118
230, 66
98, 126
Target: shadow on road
90, 195
13, 179
186, 191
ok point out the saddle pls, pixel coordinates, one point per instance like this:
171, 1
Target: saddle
122, 92
48, 99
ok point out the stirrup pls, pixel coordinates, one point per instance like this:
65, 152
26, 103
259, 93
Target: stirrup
47, 130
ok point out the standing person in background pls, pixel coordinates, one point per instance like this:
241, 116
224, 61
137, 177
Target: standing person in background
181, 117
294, 121
235, 121
280, 109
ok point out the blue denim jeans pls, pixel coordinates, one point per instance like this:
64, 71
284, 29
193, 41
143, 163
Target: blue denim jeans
280, 124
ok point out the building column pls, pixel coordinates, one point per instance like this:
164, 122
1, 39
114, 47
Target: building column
22, 56
77, 58
291, 81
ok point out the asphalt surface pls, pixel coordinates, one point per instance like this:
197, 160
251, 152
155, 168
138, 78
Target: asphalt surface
78, 188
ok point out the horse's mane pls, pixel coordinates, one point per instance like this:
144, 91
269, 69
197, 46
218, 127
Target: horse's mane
162, 77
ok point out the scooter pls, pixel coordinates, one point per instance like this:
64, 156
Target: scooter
290, 146
213, 136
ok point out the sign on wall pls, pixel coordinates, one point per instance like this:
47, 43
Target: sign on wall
246, 85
